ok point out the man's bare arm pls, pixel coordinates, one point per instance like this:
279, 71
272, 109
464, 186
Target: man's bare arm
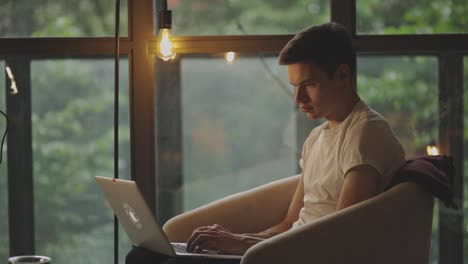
361, 183
217, 237
292, 215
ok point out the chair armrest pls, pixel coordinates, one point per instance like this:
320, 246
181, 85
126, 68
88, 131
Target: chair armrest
393, 227
250, 211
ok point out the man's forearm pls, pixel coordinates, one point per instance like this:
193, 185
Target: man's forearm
272, 231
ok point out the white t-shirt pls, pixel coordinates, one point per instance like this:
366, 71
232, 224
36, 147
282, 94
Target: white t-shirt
363, 138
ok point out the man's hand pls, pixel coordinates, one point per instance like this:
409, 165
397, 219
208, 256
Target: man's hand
218, 238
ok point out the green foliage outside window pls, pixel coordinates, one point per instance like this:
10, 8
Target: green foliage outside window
72, 120
59, 137
237, 17
52, 18
411, 16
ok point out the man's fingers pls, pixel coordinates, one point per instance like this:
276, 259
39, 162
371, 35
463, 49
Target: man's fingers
220, 227
206, 233
199, 236
195, 233
190, 241
206, 244
213, 227
203, 228
199, 240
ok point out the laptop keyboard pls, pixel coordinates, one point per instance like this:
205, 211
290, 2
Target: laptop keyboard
180, 248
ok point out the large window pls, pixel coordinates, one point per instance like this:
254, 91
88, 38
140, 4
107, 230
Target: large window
404, 90
255, 17
411, 16
239, 127
64, 108
404, 78
196, 129
72, 126
50, 18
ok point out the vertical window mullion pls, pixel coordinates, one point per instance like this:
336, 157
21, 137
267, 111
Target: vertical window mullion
451, 143
142, 101
169, 139
20, 161
344, 12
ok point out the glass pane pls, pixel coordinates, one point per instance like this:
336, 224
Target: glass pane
465, 154
239, 127
4, 249
72, 119
404, 90
52, 18
411, 16
255, 17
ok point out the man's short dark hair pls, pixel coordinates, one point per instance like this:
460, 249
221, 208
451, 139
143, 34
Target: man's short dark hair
327, 46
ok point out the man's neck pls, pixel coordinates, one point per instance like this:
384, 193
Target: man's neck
343, 110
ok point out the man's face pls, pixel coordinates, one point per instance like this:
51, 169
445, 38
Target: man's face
315, 94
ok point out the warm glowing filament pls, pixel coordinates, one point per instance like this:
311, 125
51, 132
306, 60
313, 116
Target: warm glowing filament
230, 56
165, 51
432, 150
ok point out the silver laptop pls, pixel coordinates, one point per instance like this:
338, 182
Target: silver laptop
139, 222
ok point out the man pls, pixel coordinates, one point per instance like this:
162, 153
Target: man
345, 160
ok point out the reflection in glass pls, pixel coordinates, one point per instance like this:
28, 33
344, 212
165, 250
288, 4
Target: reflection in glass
411, 16
404, 90
239, 127
4, 249
72, 120
255, 17
71, 18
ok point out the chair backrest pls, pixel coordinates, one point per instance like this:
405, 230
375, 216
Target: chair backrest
417, 210
393, 227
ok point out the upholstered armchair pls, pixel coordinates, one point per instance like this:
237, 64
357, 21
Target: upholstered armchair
393, 227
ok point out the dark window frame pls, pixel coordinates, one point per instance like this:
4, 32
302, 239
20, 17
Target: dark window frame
147, 90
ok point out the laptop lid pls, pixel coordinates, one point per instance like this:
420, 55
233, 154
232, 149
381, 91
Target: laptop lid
134, 215
139, 222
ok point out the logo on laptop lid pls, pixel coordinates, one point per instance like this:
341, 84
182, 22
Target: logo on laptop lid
132, 215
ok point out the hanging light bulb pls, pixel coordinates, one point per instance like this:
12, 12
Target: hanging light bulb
230, 56
165, 48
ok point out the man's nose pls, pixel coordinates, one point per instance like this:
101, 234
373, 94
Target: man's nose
300, 96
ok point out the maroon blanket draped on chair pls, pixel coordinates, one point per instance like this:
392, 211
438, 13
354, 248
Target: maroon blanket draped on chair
434, 173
